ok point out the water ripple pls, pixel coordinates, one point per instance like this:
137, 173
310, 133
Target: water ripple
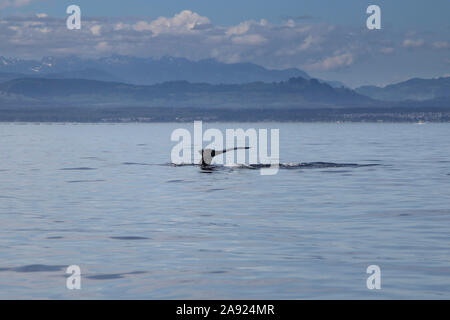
79, 168
113, 276
81, 181
130, 238
35, 268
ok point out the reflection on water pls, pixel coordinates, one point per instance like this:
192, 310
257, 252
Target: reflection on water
106, 198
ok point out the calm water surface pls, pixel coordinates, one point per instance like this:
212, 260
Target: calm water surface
102, 196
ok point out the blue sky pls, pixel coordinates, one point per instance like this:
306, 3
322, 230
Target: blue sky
326, 38
420, 14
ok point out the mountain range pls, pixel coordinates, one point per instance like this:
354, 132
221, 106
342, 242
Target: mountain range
145, 71
296, 92
413, 89
170, 89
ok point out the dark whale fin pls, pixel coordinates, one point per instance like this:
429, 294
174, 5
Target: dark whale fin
209, 154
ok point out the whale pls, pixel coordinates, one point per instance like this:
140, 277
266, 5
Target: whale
209, 154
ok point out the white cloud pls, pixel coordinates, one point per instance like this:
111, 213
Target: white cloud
103, 46
290, 23
318, 47
387, 50
186, 34
410, 43
241, 28
44, 30
308, 42
41, 15
96, 30
14, 28
14, 3
250, 39
184, 22
121, 26
441, 45
333, 62
245, 26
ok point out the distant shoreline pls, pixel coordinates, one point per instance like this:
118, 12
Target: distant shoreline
183, 115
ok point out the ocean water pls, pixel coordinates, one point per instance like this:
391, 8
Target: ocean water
104, 197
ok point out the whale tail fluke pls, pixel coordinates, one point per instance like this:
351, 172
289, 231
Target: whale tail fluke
209, 154
231, 149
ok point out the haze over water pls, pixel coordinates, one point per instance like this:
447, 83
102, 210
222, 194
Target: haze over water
102, 196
